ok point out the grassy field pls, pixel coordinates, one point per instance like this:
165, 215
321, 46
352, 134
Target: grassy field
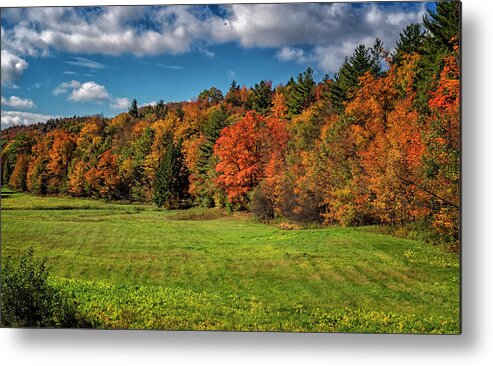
135, 266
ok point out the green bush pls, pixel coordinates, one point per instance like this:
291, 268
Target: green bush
27, 301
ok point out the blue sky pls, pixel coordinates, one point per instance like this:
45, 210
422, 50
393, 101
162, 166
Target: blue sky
66, 61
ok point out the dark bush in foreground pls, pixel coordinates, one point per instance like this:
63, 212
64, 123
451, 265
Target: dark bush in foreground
27, 301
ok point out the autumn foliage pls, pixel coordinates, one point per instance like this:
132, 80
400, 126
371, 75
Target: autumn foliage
378, 144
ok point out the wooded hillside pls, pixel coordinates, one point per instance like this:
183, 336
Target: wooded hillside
379, 143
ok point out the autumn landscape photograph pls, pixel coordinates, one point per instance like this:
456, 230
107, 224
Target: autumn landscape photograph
285, 167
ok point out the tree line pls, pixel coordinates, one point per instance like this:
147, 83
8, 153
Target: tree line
379, 143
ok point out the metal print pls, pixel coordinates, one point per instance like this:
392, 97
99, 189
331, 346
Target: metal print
265, 167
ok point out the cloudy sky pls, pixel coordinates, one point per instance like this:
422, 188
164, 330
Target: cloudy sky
64, 61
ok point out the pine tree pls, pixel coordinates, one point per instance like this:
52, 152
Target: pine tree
206, 162
260, 99
378, 54
232, 95
443, 35
361, 60
443, 25
211, 96
161, 109
347, 79
301, 92
139, 149
410, 41
343, 82
217, 121
21, 144
171, 182
134, 109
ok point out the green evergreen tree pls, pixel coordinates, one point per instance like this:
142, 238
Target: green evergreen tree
232, 95
411, 41
139, 150
171, 182
211, 96
301, 93
378, 54
161, 109
21, 144
347, 79
342, 83
260, 99
217, 121
361, 60
134, 109
206, 161
234, 86
443, 24
442, 35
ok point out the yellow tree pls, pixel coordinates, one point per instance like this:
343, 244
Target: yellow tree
18, 178
60, 157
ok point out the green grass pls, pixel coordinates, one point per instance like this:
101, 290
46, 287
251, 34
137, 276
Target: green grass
132, 266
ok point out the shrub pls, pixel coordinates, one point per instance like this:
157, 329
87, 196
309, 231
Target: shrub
28, 301
308, 208
261, 206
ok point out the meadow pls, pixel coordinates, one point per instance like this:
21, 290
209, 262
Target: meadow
140, 267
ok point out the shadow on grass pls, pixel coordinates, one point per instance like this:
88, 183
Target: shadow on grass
199, 215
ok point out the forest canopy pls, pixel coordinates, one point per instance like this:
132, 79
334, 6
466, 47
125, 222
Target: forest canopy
378, 143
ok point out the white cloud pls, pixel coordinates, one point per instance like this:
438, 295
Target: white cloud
12, 67
16, 118
17, 102
89, 92
69, 73
206, 52
328, 59
65, 86
322, 30
164, 66
120, 103
85, 62
107, 30
291, 54
374, 15
327, 32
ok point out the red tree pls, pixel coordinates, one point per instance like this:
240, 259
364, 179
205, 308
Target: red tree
239, 150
